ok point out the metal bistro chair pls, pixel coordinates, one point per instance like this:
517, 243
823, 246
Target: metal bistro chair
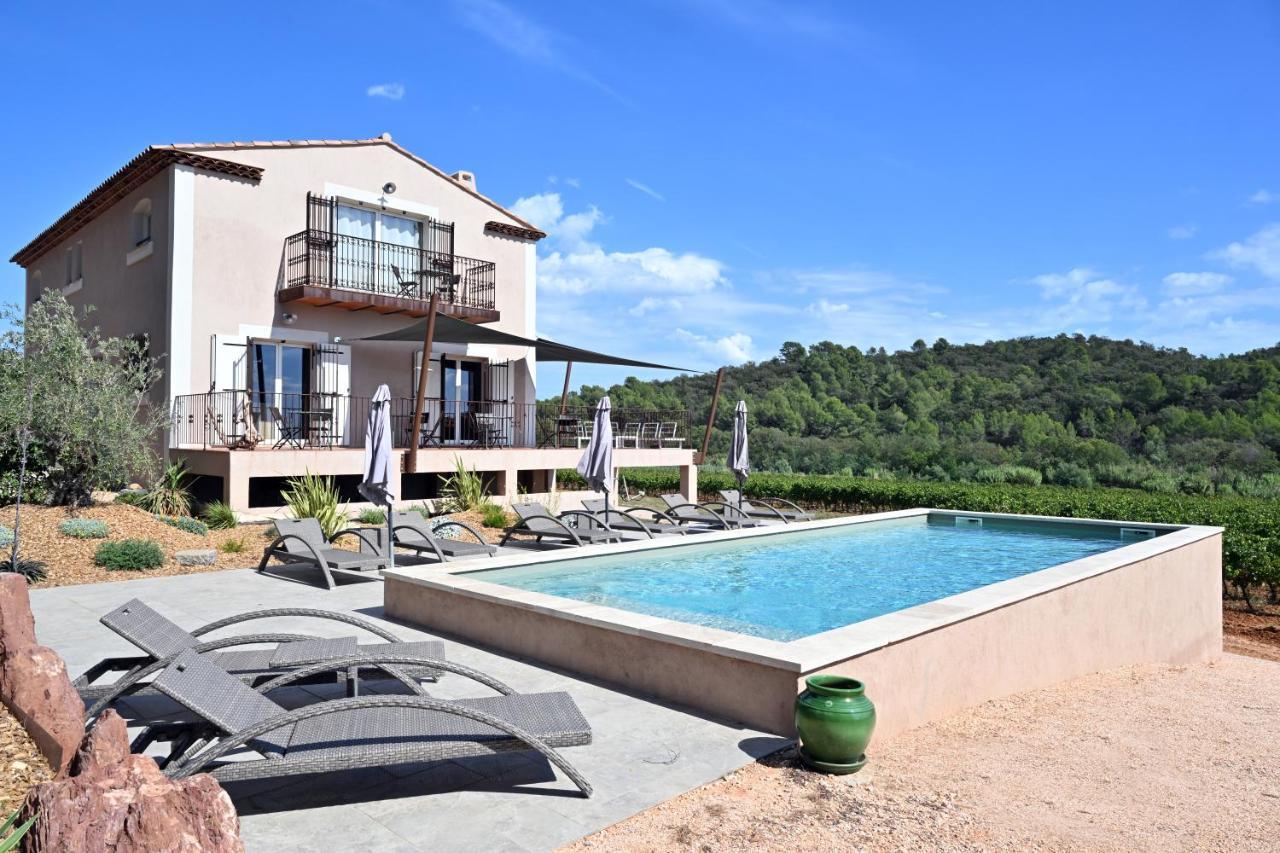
669, 434
649, 435
585, 430
288, 433
628, 436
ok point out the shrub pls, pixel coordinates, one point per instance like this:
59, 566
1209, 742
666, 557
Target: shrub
185, 523
32, 570
83, 528
169, 495
132, 498
235, 546
372, 516
493, 515
6, 536
219, 516
314, 496
463, 489
129, 555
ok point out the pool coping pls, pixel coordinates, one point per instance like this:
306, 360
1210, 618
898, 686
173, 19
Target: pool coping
813, 652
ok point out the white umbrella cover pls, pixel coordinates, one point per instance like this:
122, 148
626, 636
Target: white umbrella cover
376, 485
596, 464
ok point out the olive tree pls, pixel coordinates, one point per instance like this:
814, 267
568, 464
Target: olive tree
75, 406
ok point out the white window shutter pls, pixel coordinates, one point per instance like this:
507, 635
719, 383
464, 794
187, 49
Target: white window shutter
230, 363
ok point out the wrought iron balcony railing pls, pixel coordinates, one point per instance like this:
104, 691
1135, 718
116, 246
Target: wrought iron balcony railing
321, 258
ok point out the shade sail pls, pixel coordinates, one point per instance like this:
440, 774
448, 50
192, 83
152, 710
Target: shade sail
450, 330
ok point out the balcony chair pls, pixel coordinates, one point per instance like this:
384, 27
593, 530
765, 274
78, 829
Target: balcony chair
628, 436
288, 433
486, 429
649, 435
585, 430
235, 722
668, 435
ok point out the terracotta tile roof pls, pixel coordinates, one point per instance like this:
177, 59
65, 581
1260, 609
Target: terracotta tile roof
158, 157
133, 174
386, 140
510, 230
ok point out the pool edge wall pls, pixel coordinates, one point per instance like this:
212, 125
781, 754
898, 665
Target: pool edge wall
1164, 607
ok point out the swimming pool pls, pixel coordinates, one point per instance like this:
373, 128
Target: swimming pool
792, 586
935, 610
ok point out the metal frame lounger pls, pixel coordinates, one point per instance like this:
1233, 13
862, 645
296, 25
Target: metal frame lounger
350, 734
163, 640
625, 519
764, 509
537, 522
301, 542
416, 533
707, 513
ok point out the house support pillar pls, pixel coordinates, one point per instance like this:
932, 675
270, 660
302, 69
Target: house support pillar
689, 482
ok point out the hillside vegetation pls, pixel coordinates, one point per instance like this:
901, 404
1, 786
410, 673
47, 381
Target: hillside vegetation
1070, 410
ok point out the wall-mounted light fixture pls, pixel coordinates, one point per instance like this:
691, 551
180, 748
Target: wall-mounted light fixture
388, 188
288, 318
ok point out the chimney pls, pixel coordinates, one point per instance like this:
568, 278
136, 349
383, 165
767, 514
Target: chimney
467, 179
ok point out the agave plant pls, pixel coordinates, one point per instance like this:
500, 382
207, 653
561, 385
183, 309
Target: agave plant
10, 835
314, 496
169, 495
463, 489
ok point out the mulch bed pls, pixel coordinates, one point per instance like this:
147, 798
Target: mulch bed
21, 764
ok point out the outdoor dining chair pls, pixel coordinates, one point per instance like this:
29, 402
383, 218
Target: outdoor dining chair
235, 722
286, 432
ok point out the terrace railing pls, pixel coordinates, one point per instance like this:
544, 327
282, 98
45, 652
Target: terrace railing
225, 419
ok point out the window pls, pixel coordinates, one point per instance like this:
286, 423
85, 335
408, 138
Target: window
371, 242
142, 222
74, 265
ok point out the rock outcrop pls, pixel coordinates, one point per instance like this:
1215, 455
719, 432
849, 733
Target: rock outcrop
34, 684
112, 800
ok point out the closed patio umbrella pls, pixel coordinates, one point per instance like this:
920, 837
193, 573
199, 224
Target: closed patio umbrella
376, 485
739, 459
596, 464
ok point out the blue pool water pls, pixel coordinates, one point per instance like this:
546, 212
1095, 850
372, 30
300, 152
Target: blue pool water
799, 583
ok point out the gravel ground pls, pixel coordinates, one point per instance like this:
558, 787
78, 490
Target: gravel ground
21, 765
1143, 758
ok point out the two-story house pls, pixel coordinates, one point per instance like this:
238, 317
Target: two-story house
259, 270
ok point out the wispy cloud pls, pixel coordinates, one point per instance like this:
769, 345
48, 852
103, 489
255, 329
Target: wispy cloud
1261, 251
645, 188
1196, 282
1183, 232
390, 91
523, 37
734, 348
1264, 197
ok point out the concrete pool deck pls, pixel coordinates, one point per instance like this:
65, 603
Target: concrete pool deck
1153, 600
643, 751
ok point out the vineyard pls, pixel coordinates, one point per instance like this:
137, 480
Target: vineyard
1251, 549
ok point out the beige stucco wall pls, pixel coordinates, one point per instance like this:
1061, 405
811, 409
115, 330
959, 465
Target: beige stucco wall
240, 232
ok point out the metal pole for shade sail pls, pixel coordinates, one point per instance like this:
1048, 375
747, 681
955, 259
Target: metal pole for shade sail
711, 418
564, 395
415, 429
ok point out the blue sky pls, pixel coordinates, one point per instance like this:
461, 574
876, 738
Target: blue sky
724, 175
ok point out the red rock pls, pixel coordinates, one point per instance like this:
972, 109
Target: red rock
115, 801
17, 625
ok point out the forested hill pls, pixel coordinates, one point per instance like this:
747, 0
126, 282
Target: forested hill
1070, 410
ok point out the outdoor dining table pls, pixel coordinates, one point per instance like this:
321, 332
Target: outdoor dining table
317, 425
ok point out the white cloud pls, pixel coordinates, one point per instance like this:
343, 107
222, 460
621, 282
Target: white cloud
573, 182
1264, 197
1082, 295
1261, 251
1183, 232
647, 190
650, 304
1196, 282
825, 307
734, 348
390, 91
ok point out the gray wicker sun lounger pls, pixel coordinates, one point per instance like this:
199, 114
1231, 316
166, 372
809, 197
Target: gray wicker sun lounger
712, 513
537, 522
629, 520
163, 640
349, 734
415, 532
787, 512
302, 542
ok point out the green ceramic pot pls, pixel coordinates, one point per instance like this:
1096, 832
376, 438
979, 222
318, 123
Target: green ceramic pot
835, 720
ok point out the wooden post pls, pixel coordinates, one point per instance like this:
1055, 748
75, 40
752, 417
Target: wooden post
564, 395
711, 418
415, 430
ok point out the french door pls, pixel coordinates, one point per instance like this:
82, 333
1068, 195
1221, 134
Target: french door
281, 381
371, 242
461, 393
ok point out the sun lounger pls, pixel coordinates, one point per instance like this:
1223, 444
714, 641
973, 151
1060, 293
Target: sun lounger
626, 519
712, 513
349, 734
733, 497
535, 521
301, 542
163, 640
414, 532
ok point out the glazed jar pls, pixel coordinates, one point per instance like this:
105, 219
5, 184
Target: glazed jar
835, 720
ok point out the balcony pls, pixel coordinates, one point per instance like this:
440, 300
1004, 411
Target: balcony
325, 268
